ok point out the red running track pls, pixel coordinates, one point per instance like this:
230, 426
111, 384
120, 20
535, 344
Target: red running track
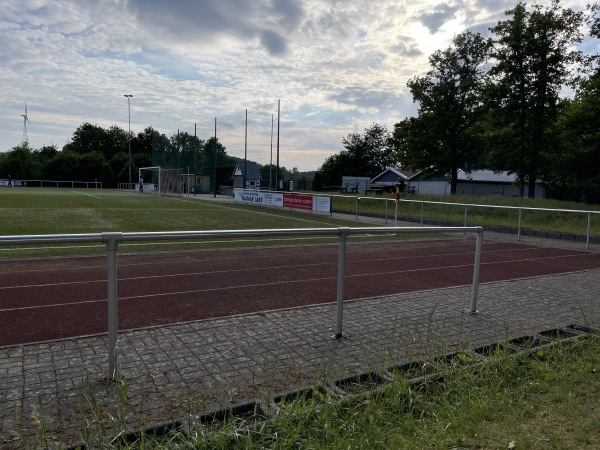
44, 299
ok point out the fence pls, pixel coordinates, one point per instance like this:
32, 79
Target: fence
54, 184
112, 240
466, 206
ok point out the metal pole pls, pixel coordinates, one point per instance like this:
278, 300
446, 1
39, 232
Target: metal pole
340, 281
112, 241
245, 177
357, 199
278, 127
589, 231
271, 161
129, 135
215, 163
386, 211
396, 214
195, 161
422, 205
473, 309
519, 229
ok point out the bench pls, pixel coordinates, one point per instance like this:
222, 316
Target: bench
411, 190
226, 190
353, 188
373, 190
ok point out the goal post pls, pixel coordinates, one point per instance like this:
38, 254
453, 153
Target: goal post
156, 180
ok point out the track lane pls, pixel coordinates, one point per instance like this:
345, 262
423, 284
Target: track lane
63, 297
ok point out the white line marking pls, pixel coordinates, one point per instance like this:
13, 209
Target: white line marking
89, 195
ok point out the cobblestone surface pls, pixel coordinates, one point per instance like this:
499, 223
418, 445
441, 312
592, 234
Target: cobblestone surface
171, 373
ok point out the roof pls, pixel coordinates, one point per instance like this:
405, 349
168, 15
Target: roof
253, 171
486, 176
398, 172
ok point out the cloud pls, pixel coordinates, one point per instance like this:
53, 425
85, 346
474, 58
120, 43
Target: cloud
337, 66
204, 23
436, 18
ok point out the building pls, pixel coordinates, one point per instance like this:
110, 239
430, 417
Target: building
249, 171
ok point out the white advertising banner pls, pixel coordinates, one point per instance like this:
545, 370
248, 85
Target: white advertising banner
294, 201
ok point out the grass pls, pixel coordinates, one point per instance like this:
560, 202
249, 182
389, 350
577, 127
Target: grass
546, 399
410, 207
51, 211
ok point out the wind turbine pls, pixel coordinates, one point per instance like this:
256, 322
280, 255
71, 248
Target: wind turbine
25, 122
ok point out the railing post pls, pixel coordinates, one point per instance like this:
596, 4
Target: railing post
422, 213
519, 229
112, 242
589, 231
473, 309
396, 214
343, 231
386, 211
466, 207
357, 199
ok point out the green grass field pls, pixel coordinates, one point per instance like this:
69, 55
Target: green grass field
35, 211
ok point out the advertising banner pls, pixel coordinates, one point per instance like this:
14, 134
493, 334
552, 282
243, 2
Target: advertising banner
284, 200
298, 201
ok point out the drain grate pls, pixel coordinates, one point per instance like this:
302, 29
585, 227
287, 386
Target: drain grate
360, 383
559, 334
495, 350
247, 414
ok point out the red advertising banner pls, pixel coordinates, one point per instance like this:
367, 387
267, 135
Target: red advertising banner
298, 201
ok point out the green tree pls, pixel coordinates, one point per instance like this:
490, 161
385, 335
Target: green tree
18, 162
534, 50
214, 159
317, 184
365, 154
88, 138
574, 160
64, 166
451, 98
41, 159
334, 168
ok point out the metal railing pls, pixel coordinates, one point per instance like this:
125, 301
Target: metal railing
113, 239
57, 184
466, 207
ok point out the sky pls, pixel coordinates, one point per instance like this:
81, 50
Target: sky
331, 68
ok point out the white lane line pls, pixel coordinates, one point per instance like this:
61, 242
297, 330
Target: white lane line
89, 195
246, 286
288, 266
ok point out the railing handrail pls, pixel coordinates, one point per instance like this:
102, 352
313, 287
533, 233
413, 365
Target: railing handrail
528, 208
112, 240
170, 235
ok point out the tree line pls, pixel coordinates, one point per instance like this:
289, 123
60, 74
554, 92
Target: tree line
98, 154
498, 103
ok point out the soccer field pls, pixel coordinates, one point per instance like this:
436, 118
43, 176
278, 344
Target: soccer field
68, 211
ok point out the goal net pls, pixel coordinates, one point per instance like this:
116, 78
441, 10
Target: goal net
156, 180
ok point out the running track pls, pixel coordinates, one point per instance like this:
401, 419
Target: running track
44, 299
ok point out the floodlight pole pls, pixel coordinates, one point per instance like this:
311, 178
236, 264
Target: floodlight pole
129, 134
278, 123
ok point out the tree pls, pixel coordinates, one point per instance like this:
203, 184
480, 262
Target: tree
534, 52
334, 168
317, 184
41, 159
18, 162
451, 102
574, 161
88, 138
365, 154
